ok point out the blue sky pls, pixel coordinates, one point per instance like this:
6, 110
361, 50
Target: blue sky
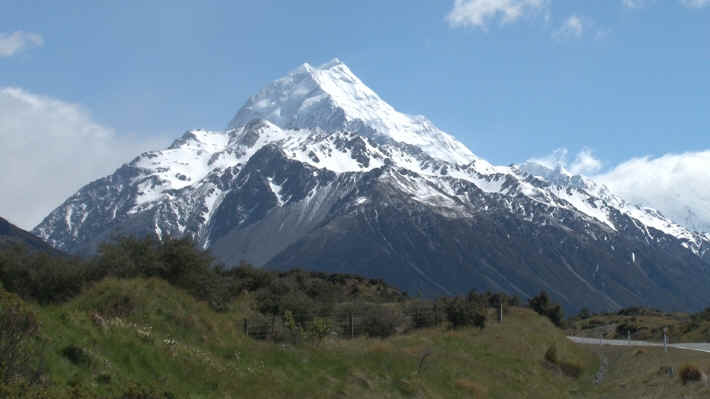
511, 79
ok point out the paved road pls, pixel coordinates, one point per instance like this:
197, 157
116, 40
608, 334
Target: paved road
698, 347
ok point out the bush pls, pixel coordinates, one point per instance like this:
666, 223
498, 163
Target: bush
542, 305
115, 304
551, 354
690, 373
45, 278
145, 393
380, 322
76, 355
584, 314
319, 329
423, 315
465, 313
569, 369
19, 330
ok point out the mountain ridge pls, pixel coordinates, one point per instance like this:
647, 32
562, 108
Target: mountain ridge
317, 155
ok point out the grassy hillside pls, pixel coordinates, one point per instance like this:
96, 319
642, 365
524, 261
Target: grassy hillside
145, 333
651, 373
147, 320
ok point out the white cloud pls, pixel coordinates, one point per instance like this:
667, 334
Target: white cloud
584, 162
695, 3
573, 27
678, 185
477, 13
49, 149
11, 43
643, 3
633, 3
553, 160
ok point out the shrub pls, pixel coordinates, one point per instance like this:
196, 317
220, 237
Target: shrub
40, 276
19, 329
295, 329
569, 369
584, 314
551, 354
690, 373
465, 313
76, 355
116, 305
423, 315
542, 305
380, 322
319, 329
145, 393
103, 378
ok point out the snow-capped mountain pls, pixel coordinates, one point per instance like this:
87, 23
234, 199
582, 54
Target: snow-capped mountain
317, 171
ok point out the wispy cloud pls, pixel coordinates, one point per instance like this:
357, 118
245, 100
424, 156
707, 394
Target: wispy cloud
572, 28
11, 43
584, 163
49, 148
695, 3
478, 13
577, 27
676, 184
634, 3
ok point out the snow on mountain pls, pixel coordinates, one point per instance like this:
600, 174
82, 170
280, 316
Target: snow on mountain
325, 118
332, 98
595, 200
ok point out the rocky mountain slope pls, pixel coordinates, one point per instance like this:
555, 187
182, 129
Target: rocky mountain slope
317, 171
12, 235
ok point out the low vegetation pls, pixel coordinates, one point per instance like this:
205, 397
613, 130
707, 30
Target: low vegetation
645, 324
145, 319
690, 373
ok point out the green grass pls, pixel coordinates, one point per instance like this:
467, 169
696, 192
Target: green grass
640, 373
211, 357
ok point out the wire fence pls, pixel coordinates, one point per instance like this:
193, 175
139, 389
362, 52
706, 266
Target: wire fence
372, 320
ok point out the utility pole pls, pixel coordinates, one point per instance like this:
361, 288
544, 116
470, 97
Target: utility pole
500, 315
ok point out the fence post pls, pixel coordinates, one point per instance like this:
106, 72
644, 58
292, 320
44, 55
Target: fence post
352, 325
246, 327
500, 317
665, 339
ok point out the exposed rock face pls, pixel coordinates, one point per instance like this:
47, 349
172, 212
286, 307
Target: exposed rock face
316, 171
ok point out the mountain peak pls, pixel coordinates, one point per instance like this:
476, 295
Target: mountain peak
308, 68
331, 98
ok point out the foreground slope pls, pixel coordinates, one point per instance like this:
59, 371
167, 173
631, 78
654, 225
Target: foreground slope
168, 342
317, 171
